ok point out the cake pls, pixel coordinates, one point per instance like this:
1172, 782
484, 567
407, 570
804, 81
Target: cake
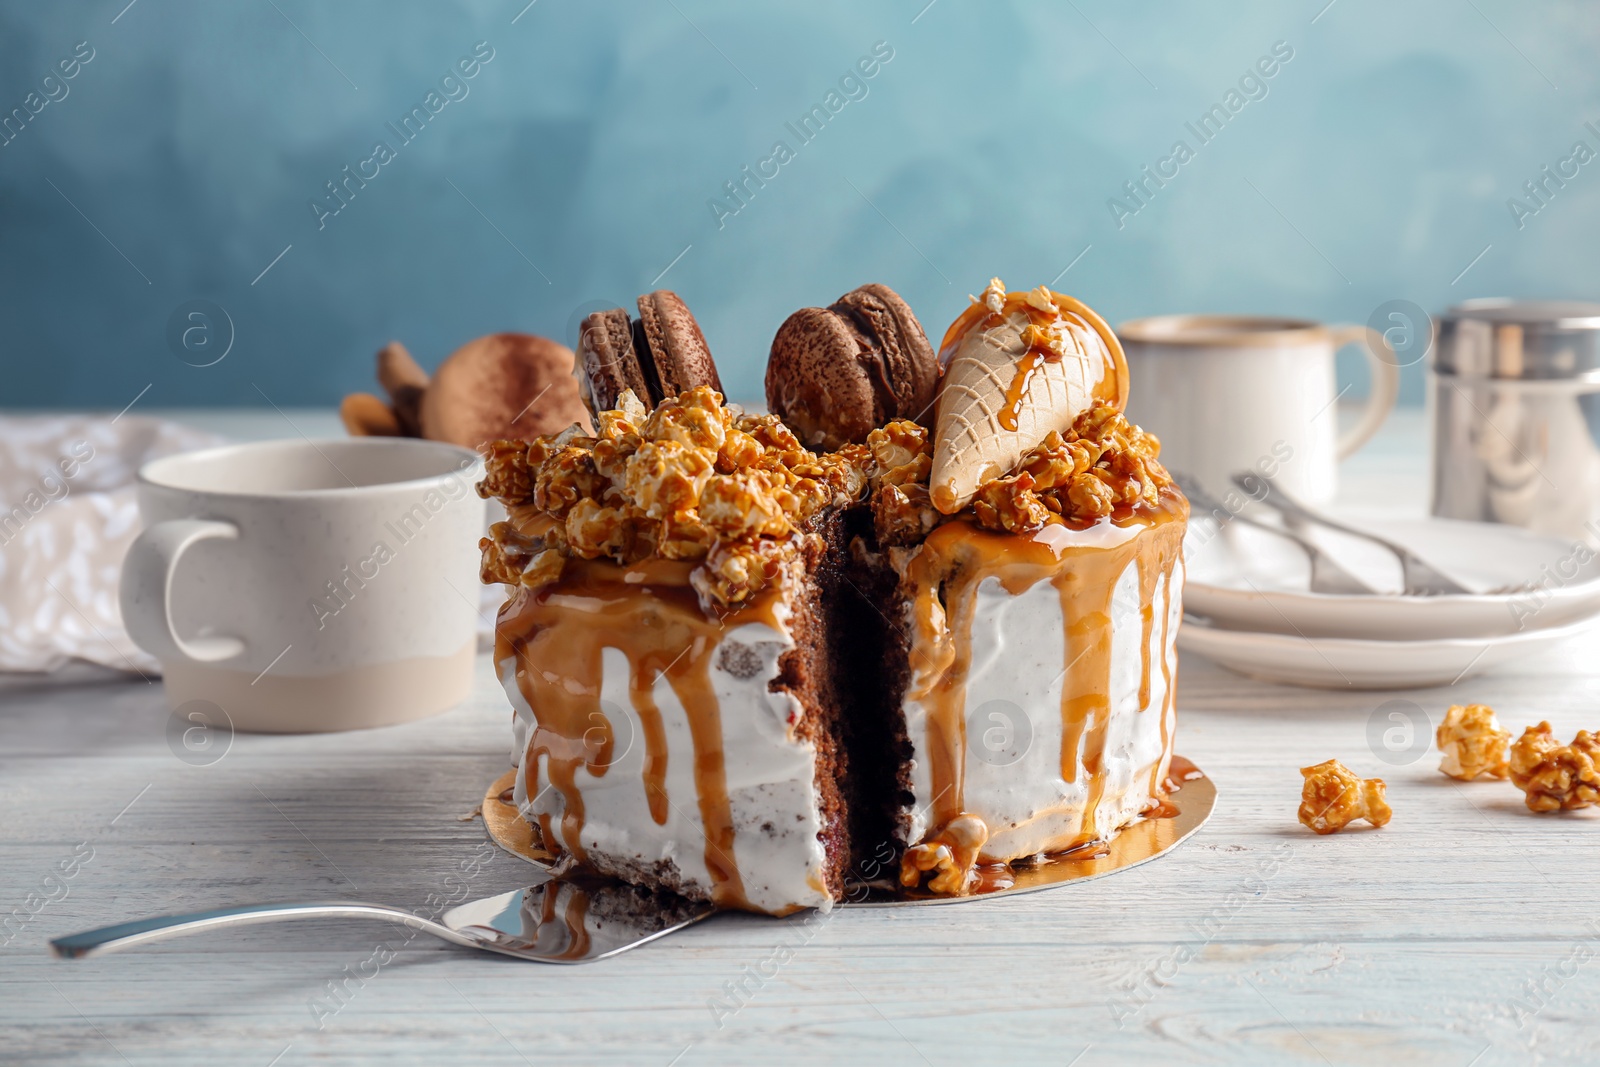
937, 641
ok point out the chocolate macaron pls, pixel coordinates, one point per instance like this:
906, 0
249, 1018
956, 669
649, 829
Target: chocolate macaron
661, 353
837, 373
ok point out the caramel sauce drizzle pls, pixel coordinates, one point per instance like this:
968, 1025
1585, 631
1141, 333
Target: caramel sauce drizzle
1169, 703
1113, 384
1180, 770
943, 579
1017, 391
572, 917
650, 613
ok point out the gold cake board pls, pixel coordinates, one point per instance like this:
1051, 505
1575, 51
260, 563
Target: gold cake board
1143, 841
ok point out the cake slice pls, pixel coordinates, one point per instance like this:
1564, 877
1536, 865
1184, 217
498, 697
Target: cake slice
1038, 647
1038, 621
671, 649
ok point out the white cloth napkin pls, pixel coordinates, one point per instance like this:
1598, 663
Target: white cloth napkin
67, 516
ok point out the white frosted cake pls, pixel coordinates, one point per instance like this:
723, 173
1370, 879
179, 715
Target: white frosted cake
1040, 713
752, 673
667, 748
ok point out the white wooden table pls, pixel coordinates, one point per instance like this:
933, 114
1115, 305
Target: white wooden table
1466, 932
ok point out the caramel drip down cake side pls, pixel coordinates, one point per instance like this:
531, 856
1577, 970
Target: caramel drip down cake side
1091, 618
655, 750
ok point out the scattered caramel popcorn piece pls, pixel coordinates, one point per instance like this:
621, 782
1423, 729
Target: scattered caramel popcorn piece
1556, 777
994, 296
1040, 298
1472, 742
901, 456
513, 559
565, 478
1090, 496
594, 530
1011, 504
695, 419
684, 536
951, 856
734, 570
507, 473
899, 449
903, 515
622, 422
1333, 797
742, 505
545, 569
740, 451
665, 477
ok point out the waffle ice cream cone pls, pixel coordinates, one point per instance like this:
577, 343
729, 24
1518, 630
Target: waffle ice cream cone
1017, 366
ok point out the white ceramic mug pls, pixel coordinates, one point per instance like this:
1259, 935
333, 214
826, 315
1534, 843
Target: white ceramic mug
1227, 393
304, 586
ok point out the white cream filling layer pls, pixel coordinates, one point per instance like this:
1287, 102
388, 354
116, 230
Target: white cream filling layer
770, 776
1013, 778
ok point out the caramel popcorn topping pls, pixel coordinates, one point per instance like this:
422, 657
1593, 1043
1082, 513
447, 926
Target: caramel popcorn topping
949, 856
700, 481
994, 296
1102, 466
1333, 797
1554, 776
1472, 743
693, 480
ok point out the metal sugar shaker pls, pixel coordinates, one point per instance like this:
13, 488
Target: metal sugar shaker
1514, 398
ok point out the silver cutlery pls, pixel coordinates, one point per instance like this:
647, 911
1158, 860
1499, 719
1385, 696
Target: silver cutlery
557, 921
1327, 576
1421, 579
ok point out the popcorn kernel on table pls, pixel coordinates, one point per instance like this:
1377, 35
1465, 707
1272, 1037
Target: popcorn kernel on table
1556, 777
1333, 797
1472, 742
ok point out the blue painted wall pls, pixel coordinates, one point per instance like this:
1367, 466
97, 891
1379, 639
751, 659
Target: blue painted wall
581, 161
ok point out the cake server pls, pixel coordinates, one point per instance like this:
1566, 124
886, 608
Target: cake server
554, 921
1327, 576
1420, 577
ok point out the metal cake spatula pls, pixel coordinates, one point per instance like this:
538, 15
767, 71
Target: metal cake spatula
556, 921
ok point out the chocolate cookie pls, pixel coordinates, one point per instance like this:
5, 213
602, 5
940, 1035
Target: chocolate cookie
678, 348
607, 364
837, 373
405, 382
512, 385
660, 354
365, 415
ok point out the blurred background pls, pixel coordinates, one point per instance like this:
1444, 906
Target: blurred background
585, 159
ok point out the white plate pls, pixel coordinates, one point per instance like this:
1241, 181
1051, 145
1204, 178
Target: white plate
1344, 663
1247, 579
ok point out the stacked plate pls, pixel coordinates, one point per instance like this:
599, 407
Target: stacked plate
1249, 605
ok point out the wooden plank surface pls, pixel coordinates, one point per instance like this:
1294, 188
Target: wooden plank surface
1466, 932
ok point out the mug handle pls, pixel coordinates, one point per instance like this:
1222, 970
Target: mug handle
1385, 385
146, 598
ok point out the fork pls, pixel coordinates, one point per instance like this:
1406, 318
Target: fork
1421, 579
1327, 576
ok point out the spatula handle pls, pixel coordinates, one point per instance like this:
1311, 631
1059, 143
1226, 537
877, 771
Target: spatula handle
142, 931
